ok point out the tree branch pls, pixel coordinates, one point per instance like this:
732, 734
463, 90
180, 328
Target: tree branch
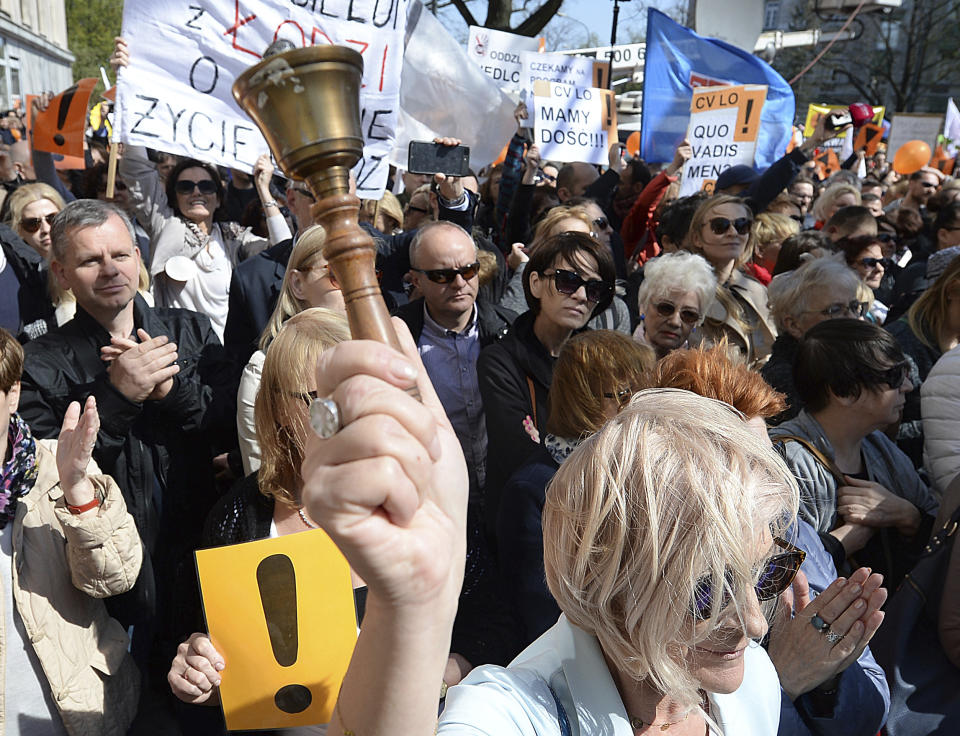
465, 13
535, 22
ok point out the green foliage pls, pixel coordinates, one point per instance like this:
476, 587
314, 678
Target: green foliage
91, 27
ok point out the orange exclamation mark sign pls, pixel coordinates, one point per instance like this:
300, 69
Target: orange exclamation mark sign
277, 582
748, 114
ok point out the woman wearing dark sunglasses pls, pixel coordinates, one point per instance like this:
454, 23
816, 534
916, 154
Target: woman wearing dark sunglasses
856, 485
32, 209
864, 254
676, 293
720, 232
568, 279
662, 537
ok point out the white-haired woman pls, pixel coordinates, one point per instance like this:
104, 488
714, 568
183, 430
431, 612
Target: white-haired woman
677, 291
821, 289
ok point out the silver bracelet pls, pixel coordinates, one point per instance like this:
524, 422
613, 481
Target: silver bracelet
271, 203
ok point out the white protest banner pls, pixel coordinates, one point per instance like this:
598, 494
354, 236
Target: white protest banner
497, 53
186, 54
908, 126
723, 128
622, 58
951, 128
573, 123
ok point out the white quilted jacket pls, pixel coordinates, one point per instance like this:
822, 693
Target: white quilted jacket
940, 408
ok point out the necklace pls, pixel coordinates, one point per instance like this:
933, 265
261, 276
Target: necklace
637, 723
305, 520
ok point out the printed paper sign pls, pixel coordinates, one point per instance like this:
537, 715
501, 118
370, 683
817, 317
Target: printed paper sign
724, 123
498, 54
578, 71
574, 123
281, 613
185, 56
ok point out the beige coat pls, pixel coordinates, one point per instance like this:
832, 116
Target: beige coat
754, 343
62, 565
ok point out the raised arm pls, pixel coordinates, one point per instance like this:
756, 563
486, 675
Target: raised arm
390, 488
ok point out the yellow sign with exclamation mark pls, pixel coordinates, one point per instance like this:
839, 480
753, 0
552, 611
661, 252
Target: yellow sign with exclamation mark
281, 613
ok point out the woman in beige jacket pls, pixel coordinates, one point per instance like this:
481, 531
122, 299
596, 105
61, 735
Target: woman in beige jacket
66, 541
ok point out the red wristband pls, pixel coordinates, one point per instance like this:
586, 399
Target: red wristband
85, 507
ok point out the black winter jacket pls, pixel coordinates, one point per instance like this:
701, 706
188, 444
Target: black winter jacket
504, 369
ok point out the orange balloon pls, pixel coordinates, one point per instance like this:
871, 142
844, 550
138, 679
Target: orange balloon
633, 143
911, 156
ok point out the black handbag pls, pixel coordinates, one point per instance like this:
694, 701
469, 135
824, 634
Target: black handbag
924, 684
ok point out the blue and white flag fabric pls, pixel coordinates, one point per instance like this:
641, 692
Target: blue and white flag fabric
677, 60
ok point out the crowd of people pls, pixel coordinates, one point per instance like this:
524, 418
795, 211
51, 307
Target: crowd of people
671, 457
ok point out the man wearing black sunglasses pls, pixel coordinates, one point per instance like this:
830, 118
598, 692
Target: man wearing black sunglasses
450, 325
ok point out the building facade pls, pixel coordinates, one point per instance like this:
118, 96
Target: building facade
34, 56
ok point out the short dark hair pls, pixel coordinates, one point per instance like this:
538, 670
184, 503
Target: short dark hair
919, 173
192, 163
843, 358
639, 171
789, 258
852, 247
850, 218
675, 218
571, 247
949, 215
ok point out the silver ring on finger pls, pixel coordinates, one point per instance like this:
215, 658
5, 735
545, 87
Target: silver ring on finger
833, 637
325, 418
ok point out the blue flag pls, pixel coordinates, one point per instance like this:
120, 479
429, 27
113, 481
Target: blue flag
677, 60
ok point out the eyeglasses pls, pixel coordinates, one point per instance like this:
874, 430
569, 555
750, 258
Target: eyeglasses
621, 396
32, 224
894, 377
304, 192
569, 282
187, 186
720, 225
449, 275
797, 218
776, 575
688, 316
928, 185
854, 308
884, 263
421, 210
601, 223
541, 175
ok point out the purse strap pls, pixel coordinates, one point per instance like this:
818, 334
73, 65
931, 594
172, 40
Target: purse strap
533, 401
821, 458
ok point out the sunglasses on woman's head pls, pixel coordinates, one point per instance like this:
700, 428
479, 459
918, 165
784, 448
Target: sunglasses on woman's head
776, 574
666, 310
720, 225
449, 275
187, 186
569, 282
32, 224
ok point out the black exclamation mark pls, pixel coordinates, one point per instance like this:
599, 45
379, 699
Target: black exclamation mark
278, 596
609, 99
746, 116
65, 99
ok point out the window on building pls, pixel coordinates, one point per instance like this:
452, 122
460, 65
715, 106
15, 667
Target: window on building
771, 14
889, 34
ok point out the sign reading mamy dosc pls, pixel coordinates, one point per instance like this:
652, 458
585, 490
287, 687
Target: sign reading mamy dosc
185, 55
